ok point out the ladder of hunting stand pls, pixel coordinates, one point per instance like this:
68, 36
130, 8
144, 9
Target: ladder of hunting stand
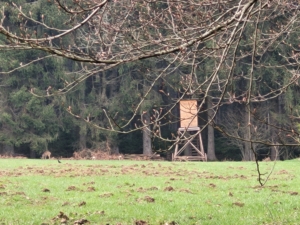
189, 139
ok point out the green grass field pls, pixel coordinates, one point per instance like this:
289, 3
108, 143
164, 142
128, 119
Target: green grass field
145, 192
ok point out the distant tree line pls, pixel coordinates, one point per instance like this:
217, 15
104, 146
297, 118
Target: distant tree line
108, 75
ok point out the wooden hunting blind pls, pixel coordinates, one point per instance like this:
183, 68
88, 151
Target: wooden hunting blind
188, 113
189, 145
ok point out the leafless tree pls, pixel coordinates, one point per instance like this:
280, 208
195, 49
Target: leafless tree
183, 34
235, 122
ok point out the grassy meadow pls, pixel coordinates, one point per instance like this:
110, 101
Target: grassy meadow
146, 192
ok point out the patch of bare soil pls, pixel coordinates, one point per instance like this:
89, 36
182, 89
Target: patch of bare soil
81, 221
100, 212
82, 203
140, 222
186, 191
275, 188
72, 188
66, 203
171, 223
62, 218
146, 199
88, 183
90, 189
106, 195
212, 185
152, 189
169, 189
239, 204
140, 189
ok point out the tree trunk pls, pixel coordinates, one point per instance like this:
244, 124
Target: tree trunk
113, 85
147, 148
103, 87
211, 156
274, 153
248, 154
111, 147
82, 137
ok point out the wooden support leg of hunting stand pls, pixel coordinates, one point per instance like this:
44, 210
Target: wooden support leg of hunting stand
190, 140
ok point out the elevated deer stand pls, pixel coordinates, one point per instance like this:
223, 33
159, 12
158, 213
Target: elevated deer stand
189, 136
